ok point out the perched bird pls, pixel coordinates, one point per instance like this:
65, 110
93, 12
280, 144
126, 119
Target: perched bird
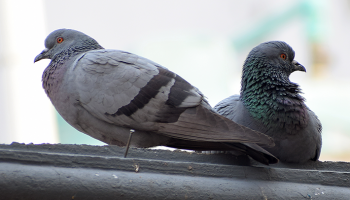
271, 104
105, 93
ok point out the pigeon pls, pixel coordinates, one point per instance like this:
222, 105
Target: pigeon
271, 104
112, 95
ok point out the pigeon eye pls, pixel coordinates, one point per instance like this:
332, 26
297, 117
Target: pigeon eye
283, 56
60, 40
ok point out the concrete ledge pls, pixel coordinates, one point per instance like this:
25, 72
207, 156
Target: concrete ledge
100, 172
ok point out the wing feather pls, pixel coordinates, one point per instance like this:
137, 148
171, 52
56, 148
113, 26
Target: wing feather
133, 92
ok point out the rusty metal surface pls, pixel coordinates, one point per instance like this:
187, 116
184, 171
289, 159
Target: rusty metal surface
100, 172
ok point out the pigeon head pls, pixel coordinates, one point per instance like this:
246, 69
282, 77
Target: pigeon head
278, 55
266, 89
270, 61
66, 41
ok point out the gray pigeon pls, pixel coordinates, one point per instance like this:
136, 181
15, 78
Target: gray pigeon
105, 93
271, 104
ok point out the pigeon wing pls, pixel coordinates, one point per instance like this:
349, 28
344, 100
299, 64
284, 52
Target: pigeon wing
130, 91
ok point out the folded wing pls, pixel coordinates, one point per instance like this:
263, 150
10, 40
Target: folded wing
130, 91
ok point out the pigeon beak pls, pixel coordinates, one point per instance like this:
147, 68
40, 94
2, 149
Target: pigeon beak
298, 66
42, 55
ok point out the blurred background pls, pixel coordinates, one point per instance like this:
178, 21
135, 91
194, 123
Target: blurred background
204, 41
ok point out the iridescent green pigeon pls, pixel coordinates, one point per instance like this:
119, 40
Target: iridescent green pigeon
271, 104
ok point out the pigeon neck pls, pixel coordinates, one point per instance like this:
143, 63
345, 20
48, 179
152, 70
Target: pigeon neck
275, 101
83, 46
53, 74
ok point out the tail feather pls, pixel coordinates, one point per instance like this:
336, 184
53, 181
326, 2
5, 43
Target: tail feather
253, 150
204, 125
256, 152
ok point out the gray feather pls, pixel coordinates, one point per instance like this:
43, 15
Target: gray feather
104, 93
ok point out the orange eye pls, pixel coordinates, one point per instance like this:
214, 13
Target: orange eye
283, 56
60, 40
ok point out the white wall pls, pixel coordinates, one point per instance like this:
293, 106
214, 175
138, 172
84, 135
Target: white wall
26, 115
